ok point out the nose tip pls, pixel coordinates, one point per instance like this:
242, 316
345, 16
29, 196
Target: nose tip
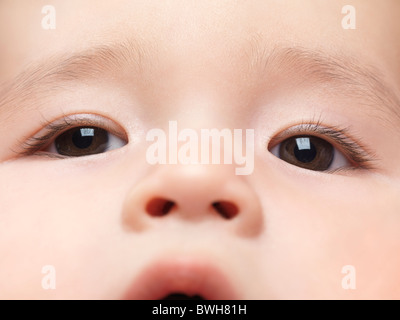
193, 193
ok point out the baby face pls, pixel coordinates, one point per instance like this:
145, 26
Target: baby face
223, 149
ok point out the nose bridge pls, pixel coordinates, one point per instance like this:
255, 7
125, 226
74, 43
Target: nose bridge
176, 143
193, 193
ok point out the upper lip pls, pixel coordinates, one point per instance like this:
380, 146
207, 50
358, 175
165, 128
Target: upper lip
191, 278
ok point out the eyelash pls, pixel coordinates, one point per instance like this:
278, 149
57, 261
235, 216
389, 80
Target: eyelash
36, 143
356, 152
361, 157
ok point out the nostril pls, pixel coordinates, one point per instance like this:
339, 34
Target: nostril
226, 209
158, 207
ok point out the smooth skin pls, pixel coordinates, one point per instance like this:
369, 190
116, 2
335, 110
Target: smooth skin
296, 228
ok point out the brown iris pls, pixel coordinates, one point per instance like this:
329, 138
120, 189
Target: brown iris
82, 141
307, 152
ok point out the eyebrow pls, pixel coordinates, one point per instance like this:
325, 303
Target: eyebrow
357, 80
343, 72
45, 77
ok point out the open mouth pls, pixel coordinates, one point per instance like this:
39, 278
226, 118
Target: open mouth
181, 281
182, 296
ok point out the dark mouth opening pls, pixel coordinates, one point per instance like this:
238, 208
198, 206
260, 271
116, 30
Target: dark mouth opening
182, 296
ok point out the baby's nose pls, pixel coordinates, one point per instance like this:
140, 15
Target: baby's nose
194, 193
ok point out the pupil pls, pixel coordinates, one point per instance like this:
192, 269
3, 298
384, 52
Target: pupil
83, 138
304, 150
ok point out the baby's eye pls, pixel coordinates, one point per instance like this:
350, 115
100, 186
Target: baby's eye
84, 141
310, 152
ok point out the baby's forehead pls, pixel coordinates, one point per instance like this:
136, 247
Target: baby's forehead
240, 40
205, 26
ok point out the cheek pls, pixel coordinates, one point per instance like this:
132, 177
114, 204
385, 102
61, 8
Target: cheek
315, 230
54, 218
